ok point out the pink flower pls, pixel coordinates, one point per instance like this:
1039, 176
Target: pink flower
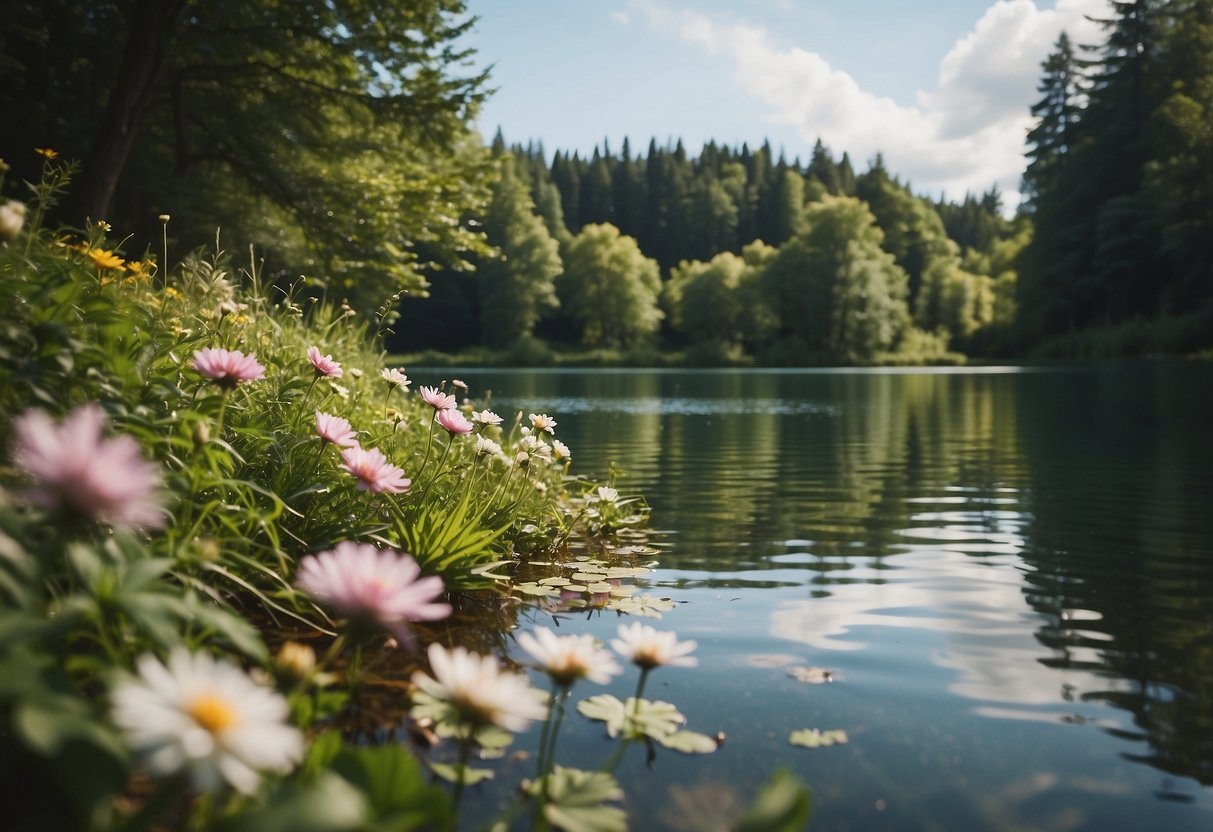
454, 421
395, 377
336, 430
374, 472
365, 583
75, 465
324, 364
486, 418
227, 367
436, 399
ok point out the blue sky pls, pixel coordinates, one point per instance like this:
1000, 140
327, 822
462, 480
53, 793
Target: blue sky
940, 87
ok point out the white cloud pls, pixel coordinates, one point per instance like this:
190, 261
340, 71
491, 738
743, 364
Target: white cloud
621, 17
965, 135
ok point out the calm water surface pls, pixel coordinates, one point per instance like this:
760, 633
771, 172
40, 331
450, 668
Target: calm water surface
1008, 571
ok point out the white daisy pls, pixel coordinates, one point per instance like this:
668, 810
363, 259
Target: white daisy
569, 658
542, 421
208, 718
647, 648
477, 687
560, 451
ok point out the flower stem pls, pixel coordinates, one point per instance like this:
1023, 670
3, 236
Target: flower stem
465, 753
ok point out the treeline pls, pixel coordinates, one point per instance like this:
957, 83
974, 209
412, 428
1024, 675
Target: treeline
735, 254
1120, 184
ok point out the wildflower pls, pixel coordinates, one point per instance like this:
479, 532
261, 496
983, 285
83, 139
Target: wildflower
648, 648
375, 474
487, 447
459, 384
227, 368
140, 269
371, 585
560, 451
487, 418
531, 446
75, 465
47, 152
606, 494
436, 399
105, 259
295, 661
324, 364
569, 658
454, 422
542, 421
336, 430
103, 225
355, 372
164, 218
12, 219
479, 690
207, 717
395, 377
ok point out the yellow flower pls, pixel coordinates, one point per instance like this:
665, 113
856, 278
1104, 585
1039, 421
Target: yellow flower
47, 152
171, 292
140, 269
104, 259
104, 226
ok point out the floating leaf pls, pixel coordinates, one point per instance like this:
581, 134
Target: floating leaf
575, 800
532, 588
646, 719
816, 738
471, 776
647, 606
689, 742
556, 581
811, 675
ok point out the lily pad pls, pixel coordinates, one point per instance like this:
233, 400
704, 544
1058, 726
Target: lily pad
689, 742
644, 719
811, 675
816, 738
575, 800
471, 776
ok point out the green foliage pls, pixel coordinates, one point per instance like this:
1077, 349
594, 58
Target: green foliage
334, 134
610, 288
1120, 177
516, 286
574, 800
783, 805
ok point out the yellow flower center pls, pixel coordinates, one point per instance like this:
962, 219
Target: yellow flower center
212, 713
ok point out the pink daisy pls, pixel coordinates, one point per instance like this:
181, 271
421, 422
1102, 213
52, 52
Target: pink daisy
336, 430
368, 584
324, 364
227, 368
375, 474
436, 399
395, 377
455, 422
75, 465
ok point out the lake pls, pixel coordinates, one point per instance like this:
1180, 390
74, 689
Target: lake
1006, 571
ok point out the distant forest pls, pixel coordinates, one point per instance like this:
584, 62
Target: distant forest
271, 123
739, 253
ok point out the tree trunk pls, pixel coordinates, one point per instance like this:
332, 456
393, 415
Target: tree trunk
151, 25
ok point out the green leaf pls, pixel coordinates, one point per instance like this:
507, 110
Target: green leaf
396, 785
328, 804
783, 805
816, 738
644, 719
471, 776
688, 742
575, 798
